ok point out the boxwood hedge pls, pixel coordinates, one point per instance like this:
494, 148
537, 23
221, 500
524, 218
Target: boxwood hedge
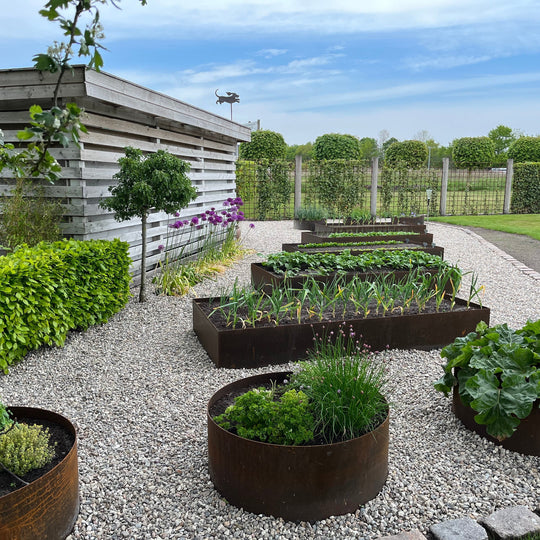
52, 288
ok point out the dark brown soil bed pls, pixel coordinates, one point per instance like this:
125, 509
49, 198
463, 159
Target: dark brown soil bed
59, 436
219, 320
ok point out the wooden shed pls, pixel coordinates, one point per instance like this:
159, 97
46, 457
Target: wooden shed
119, 113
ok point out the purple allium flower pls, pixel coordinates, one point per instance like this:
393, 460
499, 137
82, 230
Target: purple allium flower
194, 220
251, 225
186, 222
339, 391
225, 203
161, 247
177, 214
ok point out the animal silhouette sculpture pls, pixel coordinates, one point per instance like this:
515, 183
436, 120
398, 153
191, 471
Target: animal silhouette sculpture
231, 97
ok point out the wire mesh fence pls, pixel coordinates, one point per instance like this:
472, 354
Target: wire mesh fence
335, 189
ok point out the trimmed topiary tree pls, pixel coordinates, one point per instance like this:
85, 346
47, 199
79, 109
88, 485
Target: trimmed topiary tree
525, 149
473, 152
411, 154
336, 146
155, 182
264, 144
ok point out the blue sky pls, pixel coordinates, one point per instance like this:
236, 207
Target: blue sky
451, 68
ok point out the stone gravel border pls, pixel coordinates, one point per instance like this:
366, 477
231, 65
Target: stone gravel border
137, 389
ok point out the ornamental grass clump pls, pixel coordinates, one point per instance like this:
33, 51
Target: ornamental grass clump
344, 382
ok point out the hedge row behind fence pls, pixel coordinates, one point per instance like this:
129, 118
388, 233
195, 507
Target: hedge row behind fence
342, 188
52, 288
526, 189
266, 188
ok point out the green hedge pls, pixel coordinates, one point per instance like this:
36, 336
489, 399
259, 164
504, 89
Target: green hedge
52, 288
526, 189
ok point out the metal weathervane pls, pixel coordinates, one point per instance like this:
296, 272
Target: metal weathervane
231, 97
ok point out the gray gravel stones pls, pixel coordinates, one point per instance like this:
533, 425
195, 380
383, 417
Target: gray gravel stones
137, 389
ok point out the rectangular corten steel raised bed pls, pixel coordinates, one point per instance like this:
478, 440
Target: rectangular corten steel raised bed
313, 238
378, 227
263, 277
260, 346
433, 250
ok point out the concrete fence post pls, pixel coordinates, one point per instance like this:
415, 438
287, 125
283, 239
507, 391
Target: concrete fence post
444, 186
297, 184
508, 186
374, 184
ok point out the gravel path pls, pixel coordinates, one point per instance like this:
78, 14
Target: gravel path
137, 389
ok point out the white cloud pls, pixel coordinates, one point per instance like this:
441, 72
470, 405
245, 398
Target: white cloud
270, 53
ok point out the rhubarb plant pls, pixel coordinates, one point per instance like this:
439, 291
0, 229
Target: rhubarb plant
497, 372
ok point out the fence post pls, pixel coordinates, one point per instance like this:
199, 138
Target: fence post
297, 184
444, 186
374, 183
508, 186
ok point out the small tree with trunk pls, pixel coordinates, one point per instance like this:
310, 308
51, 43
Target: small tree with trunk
155, 182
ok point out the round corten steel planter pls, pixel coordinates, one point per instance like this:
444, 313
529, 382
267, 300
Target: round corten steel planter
526, 438
297, 483
46, 508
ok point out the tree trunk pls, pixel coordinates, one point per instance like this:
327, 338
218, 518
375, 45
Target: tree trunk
142, 290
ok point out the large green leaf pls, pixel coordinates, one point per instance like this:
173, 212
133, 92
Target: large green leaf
500, 406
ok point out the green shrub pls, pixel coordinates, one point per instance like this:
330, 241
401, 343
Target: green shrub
410, 154
473, 152
259, 416
49, 289
525, 149
336, 146
265, 144
526, 189
24, 448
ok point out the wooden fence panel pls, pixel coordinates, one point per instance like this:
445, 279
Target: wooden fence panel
119, 114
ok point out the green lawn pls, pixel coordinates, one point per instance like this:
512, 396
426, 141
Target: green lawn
527, 224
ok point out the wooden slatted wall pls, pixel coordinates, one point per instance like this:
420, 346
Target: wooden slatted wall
119, 114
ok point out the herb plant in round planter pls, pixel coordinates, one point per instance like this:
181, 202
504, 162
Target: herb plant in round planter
39, 487
495, 377
303, 445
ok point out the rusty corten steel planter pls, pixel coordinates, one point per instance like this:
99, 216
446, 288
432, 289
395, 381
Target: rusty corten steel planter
261, 346
328, 228
307, 224
297, 483
47, 508
526, 438
312, 238
433, 250
262, 277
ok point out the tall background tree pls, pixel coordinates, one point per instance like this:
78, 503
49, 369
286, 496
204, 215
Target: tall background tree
368, 148
502, 137
155, 182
